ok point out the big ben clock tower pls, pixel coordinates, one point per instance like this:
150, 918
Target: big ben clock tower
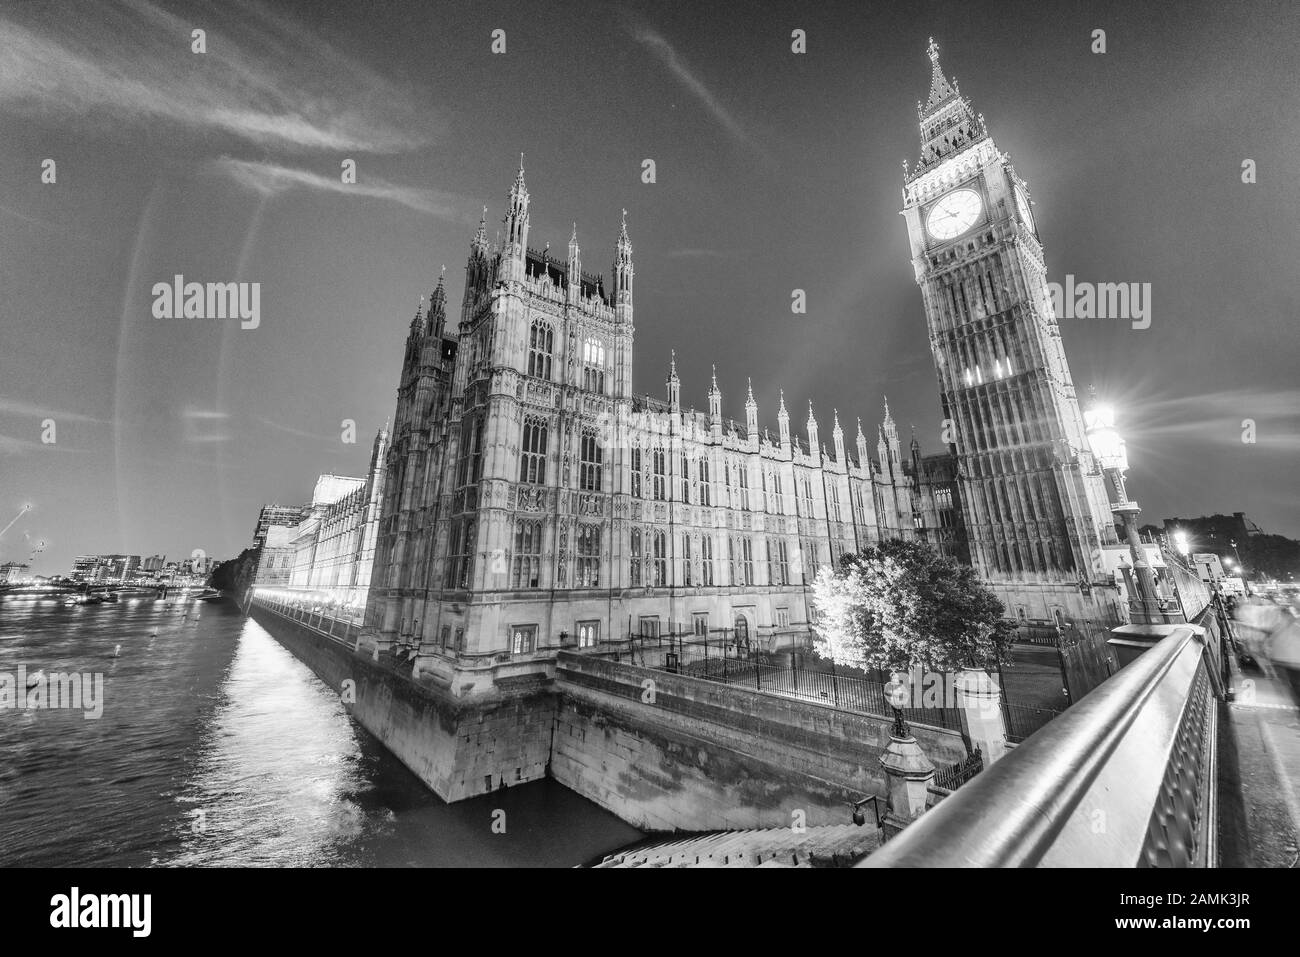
1033, 498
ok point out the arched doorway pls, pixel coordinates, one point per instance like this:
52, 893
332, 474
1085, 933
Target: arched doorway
742, 633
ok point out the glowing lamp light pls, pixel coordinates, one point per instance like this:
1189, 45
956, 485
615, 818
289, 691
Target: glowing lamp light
1106, 443
896, 692
1183, 545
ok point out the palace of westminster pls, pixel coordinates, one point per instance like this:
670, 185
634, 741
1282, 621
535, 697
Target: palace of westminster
531, 500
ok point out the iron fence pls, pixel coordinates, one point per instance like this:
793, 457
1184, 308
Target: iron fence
955, 775
790, 672
1021, 720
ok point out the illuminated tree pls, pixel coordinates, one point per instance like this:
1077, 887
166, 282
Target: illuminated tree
901, 605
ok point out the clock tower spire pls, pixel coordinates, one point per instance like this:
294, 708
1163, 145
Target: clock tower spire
1037, 513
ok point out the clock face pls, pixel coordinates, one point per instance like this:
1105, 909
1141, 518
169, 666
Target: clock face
954, 214
1022, 204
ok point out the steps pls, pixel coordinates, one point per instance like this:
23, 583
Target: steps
824, 846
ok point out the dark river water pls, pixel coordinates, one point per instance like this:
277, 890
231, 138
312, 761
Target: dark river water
217, 747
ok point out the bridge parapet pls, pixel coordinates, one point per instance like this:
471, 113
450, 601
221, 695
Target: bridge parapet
1124, 778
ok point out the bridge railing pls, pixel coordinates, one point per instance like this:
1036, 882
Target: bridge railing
1124, 778
1193, 594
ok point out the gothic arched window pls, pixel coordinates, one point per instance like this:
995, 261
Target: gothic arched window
588, 545
660, 559
540, 343
532, 455
636, 557
593, 365
528, 555
590, 462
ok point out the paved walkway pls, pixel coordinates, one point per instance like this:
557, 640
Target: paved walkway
1259, 772
1034, 680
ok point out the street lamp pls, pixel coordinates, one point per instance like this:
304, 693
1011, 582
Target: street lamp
1109, 449
896, 693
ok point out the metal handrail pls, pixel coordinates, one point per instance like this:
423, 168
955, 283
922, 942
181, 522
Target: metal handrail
1016, 813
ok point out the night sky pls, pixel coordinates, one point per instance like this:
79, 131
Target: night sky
775, 171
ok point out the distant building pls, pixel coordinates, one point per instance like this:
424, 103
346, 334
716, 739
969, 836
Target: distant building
13, 571
83, 567
330, 488
282, 515
153, 564
118, 567
105, 567
334, 546
1155, 534
1213, 533
275, 567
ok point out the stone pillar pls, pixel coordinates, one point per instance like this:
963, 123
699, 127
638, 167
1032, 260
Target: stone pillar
908, 776
980, 701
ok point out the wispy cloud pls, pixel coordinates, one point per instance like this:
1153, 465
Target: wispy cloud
1219, 418
271, 179
201, 423
11, 445
289, 429
667, 54
10, 406
272, 82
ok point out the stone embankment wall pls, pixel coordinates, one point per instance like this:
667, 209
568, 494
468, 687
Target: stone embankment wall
678, 753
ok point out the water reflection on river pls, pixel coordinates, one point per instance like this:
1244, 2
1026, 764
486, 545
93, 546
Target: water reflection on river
218, 747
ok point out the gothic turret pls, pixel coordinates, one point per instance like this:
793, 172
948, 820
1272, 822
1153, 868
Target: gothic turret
418, 322
864, 461
479, 246
837, 438
715, 402
377, 452
623, 275
575, 267
783, 425
674, 384
751, 413
438, 307
478, 269
814, 446
891, 434
515, 249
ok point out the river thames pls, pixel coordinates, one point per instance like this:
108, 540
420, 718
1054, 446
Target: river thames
216, 747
